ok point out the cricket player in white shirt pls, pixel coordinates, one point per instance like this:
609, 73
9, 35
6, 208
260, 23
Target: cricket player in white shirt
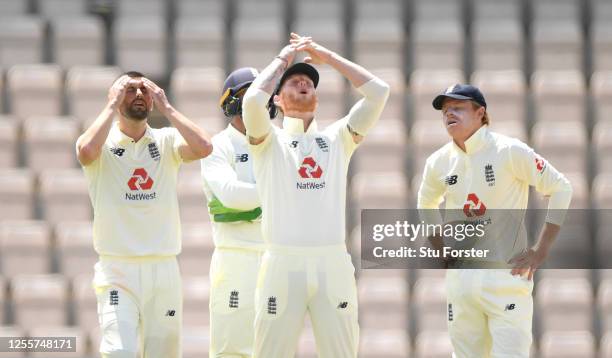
132, 170
301, 175
490, 310
233, 201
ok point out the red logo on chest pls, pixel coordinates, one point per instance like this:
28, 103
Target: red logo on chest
473, 206
140, 180
310, 169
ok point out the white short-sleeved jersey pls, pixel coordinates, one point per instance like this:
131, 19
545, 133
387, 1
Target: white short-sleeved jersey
132, 187
494, 172
301, 179
228, 176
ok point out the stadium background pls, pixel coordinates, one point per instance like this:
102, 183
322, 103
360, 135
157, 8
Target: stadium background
545, 67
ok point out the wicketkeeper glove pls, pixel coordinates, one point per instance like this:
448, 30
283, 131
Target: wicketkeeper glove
224, 214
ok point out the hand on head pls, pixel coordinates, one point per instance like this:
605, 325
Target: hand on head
117, 91
317, 54
158, 94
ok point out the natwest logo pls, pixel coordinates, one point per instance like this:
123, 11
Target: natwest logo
473, 206
140, 180
310, 169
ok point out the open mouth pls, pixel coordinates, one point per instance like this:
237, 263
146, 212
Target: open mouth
451, 122
303, 91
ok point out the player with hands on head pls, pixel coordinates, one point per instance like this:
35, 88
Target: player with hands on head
132, 172
485, 176
301, 175
234, 207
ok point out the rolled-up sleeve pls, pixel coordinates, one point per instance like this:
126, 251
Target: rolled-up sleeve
255, 112
364, 114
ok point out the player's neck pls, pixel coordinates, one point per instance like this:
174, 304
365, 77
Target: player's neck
238, 124
132, 128
460, 140
307, 117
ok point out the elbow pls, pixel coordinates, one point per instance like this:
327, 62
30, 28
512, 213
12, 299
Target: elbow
204, 149
87, 153
379, 91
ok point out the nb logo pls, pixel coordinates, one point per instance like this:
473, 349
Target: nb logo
343, 305
170, 313
510, 307
117, 151
450, 312
451, 180
242, 158
294, 144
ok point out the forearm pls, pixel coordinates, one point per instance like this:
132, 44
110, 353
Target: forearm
89, 144
268, 78
236, 194
197, 139
547, 238
355, 73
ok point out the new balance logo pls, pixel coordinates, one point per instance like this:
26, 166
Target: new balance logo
450, 312
272, 305
510, 307
294, 144
170, 313
114, 298
451, 180
242, 158
343, 305
233, 300
117, 151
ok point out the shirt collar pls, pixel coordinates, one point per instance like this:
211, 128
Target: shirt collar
234, 133
475, 142
117, 136
296, 126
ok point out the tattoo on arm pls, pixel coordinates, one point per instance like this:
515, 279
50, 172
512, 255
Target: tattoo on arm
267, 79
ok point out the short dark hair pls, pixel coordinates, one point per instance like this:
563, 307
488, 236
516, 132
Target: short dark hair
133, 74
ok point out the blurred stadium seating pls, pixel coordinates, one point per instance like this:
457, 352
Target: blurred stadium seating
545, 67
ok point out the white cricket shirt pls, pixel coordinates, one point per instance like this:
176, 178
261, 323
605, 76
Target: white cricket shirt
132, 187
301, 175
494, 172
228, 176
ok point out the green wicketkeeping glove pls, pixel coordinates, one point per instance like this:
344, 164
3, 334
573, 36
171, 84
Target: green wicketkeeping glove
224, 214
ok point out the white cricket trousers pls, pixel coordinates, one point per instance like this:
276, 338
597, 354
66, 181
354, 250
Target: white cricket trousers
294, 281
489, 313
139, 306
233, 277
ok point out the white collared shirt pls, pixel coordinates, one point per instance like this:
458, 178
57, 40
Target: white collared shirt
228, 175
494, 172
301, 178
132, 187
